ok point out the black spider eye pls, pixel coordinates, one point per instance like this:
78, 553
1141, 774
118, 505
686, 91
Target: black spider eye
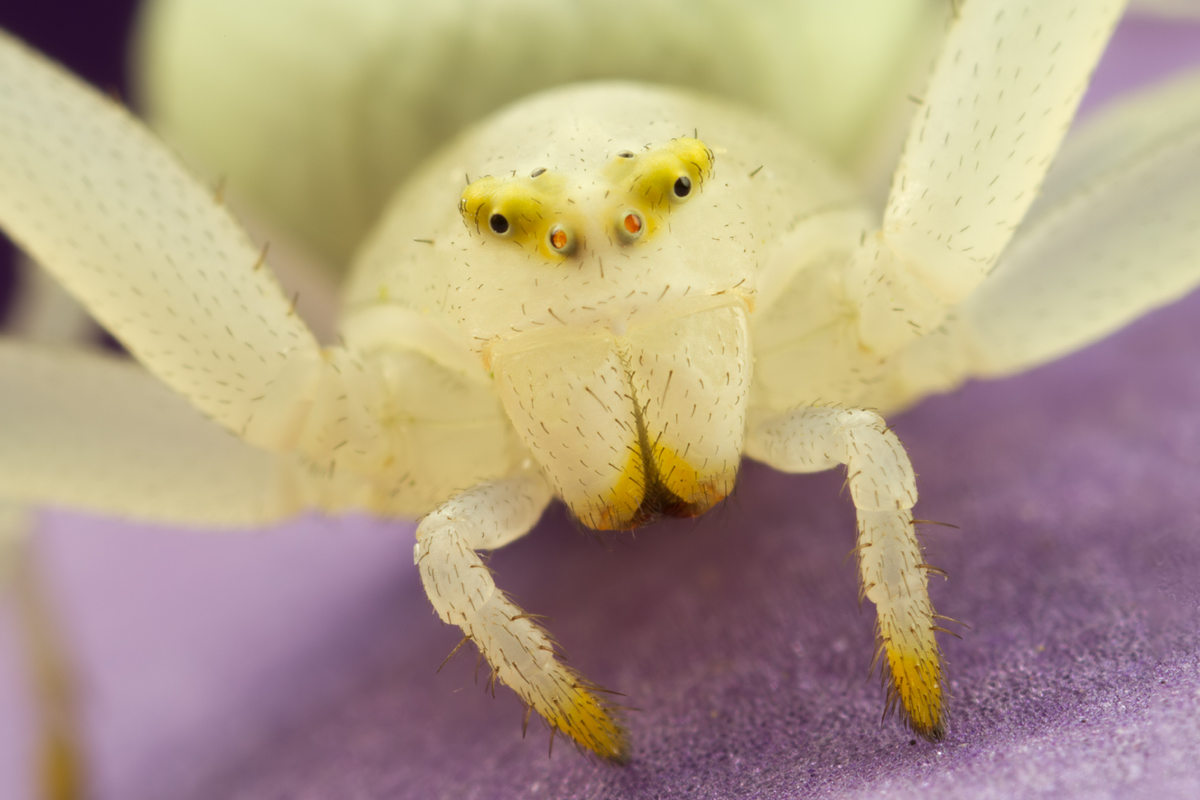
499, 224
683, 187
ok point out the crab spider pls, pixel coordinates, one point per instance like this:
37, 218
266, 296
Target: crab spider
554, 328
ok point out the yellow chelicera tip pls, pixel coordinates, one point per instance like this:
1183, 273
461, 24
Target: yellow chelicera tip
687, 483
916, 688
666, 486
588, 722
618, 508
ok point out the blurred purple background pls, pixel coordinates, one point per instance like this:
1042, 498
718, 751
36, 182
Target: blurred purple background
299, 662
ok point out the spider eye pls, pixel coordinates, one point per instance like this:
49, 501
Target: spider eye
683, 187
625, 154
561, 240
631, 226
522, 211
499, 224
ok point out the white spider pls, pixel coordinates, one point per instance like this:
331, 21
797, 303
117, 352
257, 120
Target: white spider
634, 287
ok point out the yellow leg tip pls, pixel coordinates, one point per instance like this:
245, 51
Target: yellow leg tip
916, 690
589, 723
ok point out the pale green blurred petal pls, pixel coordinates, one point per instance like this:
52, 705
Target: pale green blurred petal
315, 110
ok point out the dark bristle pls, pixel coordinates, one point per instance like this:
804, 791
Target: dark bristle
932, 735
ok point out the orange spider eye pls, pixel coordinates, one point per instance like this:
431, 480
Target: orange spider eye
630, 226
561, 240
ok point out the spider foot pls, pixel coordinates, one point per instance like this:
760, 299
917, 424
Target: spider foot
586, 719
525, 658
915, 679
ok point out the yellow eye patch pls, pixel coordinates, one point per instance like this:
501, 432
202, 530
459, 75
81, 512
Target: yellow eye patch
650, 183
526, 210
534, 210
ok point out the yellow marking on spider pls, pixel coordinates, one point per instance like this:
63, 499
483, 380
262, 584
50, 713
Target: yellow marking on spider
653, 181
684, 481
674, 488
528, 210
916, 686
588, 722
618, 509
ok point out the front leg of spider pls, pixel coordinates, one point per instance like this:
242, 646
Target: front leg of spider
520, 652
996, 109
891, 566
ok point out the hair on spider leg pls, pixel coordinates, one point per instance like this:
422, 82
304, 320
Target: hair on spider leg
559, 654
940, 629
525, 718
880, 649
479, 661
935, 522
854, 551
923, 537
863, 588
490, 571
952, 619
489, 685
845, 487
262, 257
453, 652
591, 687
935, 570
584, 685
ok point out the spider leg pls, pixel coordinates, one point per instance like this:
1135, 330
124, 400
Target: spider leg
891, 566
106, 208
97, 200
95, 432
521, 653
1115, 234
999, 102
